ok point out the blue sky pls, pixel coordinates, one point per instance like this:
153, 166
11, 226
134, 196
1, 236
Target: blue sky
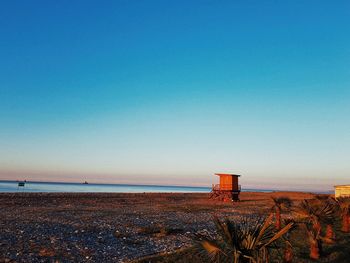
165, 92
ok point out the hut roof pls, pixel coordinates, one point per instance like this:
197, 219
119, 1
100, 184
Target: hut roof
221, 174
344, 185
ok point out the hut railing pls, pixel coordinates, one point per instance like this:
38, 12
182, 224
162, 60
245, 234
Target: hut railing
225, 187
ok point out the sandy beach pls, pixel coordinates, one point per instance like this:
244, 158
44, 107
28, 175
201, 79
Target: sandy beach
91, 227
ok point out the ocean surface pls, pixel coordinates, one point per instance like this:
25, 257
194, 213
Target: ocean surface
12, 186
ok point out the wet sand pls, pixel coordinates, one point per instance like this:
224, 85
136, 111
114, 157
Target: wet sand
98, 227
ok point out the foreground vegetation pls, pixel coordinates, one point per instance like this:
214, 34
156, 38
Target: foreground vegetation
314, 230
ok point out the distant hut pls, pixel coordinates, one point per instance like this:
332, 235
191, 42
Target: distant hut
228, 189
342, 191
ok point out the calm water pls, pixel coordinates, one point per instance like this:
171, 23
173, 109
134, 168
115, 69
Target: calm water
12, 186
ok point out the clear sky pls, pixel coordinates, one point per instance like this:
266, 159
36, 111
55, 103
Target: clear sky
170, 92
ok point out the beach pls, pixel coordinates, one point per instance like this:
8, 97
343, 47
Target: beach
113, 227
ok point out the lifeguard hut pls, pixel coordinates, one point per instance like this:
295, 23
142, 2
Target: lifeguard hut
228, 189
342, 191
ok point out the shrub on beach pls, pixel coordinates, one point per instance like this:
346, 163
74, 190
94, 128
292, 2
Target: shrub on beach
279, 204
246, 240
344, 209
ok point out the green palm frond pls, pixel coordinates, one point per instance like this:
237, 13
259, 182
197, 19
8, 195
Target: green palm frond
213, 249
279, 234
344, 205
326, 212
223, 230
244, 240
315, 211
282, 202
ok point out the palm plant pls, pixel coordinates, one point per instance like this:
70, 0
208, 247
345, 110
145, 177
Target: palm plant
328, 219
279, 204
247, 241
313, 215
344, 206
315, 242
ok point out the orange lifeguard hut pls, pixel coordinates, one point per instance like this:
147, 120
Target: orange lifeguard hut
228, 189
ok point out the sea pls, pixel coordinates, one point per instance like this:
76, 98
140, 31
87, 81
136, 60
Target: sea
13, 186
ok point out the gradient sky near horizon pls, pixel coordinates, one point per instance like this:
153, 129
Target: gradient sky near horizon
170, 92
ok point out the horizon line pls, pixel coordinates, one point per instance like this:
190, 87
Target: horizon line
158, 185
